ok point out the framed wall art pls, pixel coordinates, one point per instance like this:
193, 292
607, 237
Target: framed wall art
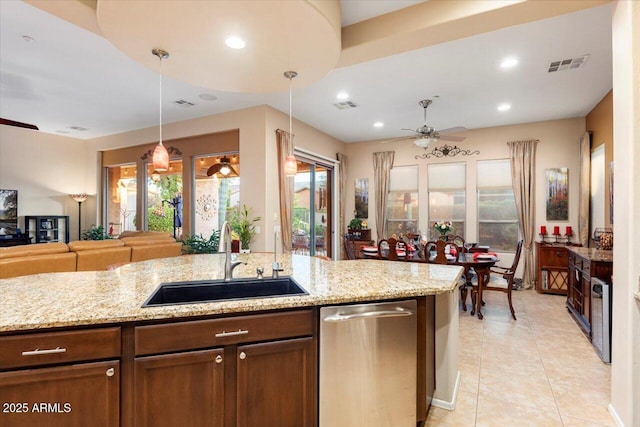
362, 198
8, 211
557, 188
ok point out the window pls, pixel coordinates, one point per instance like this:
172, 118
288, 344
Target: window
447, 196
164, 199
215, 195
121, 191
497, 214
402, 201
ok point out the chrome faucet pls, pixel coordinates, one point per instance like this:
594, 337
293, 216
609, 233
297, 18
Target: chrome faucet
276, 267
225, 245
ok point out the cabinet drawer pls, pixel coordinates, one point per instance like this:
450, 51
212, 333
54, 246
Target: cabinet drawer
59, 347
196, 334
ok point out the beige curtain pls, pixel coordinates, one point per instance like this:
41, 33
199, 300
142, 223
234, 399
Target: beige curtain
585, 189
523, 162
382, 164
285, 146
342, 186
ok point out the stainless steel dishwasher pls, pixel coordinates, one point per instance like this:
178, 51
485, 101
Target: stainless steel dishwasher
368, 365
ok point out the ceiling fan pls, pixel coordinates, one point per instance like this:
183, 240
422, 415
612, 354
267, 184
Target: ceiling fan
425, 135
223, 168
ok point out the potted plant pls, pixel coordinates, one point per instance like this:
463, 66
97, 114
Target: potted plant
197, 244
95, 233
244, 226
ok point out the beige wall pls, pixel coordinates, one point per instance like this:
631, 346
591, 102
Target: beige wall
625, 366
45, 169
558, 147
600, 122
257, 125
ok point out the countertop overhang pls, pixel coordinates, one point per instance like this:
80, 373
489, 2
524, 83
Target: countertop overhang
105, 297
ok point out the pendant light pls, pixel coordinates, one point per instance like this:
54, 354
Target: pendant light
290, 164
160, 153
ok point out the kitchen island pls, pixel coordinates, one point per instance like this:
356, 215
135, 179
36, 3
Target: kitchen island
107, 305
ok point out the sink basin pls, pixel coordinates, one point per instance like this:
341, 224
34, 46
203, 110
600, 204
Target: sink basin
172, 293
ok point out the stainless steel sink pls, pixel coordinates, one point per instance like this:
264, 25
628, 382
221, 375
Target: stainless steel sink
201, 291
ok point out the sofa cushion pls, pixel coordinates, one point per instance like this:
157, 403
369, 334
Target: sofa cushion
146, 241
139, 233
101, 259
45, 263
160, 250
84, 245
33, 250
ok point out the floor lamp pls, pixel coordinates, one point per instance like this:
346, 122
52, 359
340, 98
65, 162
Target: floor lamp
79, 198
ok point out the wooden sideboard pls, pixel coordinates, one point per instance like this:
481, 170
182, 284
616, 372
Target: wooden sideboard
552, 268
14, 240
585, 264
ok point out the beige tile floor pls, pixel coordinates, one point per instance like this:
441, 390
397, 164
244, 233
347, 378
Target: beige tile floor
537, 371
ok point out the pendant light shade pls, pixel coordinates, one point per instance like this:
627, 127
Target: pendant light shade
290, 164
160, 153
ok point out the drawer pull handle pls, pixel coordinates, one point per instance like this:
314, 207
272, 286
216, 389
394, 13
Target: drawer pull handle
110, 372
243, 355
232, 333
218, 359
38, 352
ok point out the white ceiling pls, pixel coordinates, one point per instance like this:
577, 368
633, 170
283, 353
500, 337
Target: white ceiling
69, 76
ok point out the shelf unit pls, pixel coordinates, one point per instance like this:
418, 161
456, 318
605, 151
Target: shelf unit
47, 228
552, 268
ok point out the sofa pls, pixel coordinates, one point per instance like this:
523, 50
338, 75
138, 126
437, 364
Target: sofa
36, 258
86, 255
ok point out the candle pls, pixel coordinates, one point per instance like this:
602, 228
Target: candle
556, 230
543, 229
568, 233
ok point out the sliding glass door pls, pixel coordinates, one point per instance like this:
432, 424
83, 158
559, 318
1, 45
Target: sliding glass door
312, 217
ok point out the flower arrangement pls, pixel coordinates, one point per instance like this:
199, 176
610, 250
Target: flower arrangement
443, 227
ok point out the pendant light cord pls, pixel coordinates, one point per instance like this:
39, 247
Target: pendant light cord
160, 57
290, 120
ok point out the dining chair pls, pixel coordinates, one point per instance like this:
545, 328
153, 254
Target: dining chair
387, 249
439, 247
500, 279
458, 240
349, 247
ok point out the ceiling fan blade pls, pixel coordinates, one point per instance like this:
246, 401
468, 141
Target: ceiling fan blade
453, 129
233, 171
452, 138
402, 138
214, 169
410, 130
18, 124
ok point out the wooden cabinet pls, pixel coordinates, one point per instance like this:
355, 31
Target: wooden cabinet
180, 389
281, 369
584, 264
47, 228
552, 268
69, 394
238, 371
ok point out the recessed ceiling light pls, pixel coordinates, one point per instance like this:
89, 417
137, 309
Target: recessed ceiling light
235, 42
509, 63
207, 97
342, 95
504, 107
378, 124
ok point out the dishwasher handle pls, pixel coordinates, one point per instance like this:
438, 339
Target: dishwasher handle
340, 317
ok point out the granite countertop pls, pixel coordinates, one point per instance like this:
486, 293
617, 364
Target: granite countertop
592, 254
101, 297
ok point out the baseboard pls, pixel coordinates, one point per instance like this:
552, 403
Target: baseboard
450, 406
615, 416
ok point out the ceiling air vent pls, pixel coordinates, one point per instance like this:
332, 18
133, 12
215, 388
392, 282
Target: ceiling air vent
184, 103
345, 105
78, 128
568, 64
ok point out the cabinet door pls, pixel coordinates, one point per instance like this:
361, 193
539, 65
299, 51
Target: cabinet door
286, 369
67, 396
185, 389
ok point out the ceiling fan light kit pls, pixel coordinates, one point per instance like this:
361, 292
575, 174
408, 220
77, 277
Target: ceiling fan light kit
426, 135
223, 168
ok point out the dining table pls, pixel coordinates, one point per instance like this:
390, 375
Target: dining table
480, 262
